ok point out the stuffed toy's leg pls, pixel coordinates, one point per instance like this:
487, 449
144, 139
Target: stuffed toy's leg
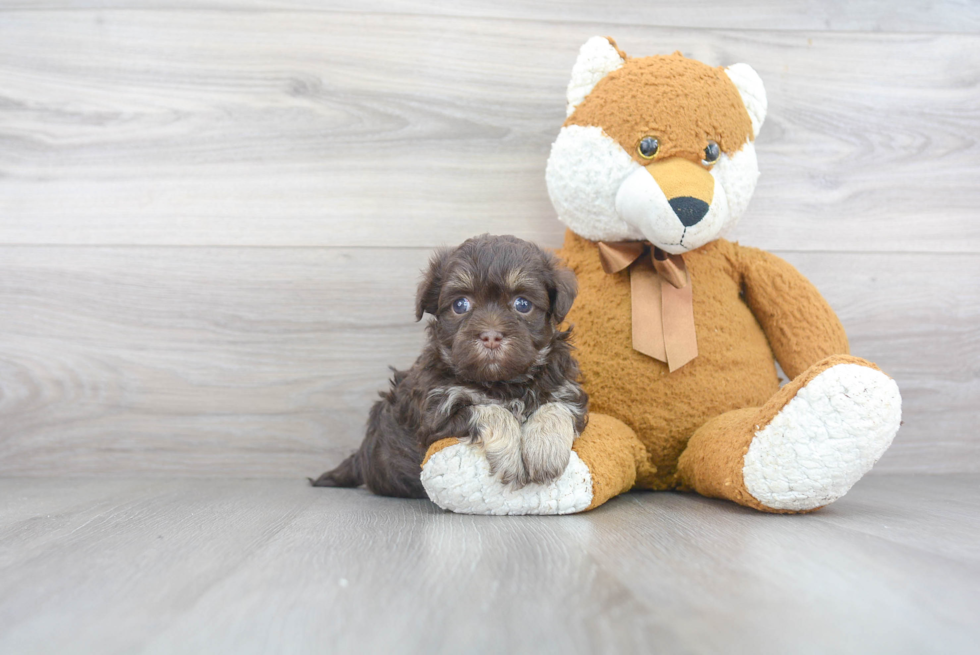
604, 463
806, 447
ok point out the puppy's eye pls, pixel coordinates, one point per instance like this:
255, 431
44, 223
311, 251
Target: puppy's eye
648, 147
711, 153
522, 304
461, 305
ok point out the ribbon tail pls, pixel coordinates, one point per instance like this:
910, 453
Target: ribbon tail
661, 300
680, 337
646, 303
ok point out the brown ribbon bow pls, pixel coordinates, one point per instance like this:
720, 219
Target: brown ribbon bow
663, 314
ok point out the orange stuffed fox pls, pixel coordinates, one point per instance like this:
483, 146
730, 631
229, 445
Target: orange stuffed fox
678, 329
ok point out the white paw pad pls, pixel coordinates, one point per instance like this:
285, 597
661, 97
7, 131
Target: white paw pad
458, 478
825, 439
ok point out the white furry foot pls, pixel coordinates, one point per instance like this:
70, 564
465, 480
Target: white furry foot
500, 435
546, 443
824, 440
458, 479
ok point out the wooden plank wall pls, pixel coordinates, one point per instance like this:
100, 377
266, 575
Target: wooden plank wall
212, 214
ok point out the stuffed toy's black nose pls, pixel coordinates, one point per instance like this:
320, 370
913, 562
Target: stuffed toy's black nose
689, 210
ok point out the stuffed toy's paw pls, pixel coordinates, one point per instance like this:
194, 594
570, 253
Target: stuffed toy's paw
457, 477
825, 439
806, 447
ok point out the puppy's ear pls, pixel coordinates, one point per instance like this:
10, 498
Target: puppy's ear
563, 293
427, 297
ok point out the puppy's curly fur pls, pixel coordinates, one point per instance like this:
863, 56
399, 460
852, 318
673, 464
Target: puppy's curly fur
496, 369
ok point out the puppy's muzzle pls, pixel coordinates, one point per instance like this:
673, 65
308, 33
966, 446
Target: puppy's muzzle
491, 339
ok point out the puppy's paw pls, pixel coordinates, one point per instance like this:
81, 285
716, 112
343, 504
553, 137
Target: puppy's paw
500, 434
507, 466
546, 443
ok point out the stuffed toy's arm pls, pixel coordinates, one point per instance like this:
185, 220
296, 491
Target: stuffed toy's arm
801, 327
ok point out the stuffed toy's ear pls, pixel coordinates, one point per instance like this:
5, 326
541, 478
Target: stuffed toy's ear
562, 295
753, 93
596, 59
427, 297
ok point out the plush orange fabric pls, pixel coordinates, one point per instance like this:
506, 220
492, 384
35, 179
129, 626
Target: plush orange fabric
693, 104
783, 301
614, 456
713, 461
734, 368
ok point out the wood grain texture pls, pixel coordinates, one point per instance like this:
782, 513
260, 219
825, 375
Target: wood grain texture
264, 361
274, 566
815, 15
212, 215
217, 361
315, 128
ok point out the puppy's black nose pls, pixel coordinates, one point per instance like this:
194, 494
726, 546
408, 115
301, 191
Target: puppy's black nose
689, 210
491, 339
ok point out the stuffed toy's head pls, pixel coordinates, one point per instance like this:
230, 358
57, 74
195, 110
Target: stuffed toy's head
656, 148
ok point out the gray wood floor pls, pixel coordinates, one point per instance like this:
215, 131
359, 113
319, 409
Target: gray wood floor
274, 566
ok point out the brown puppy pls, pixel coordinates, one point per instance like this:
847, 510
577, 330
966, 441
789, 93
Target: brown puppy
496, 369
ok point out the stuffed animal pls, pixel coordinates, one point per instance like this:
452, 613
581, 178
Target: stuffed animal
678, 329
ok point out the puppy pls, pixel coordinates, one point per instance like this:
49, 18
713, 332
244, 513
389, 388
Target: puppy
496, 370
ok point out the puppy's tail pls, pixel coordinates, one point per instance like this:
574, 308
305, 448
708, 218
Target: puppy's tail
348, 474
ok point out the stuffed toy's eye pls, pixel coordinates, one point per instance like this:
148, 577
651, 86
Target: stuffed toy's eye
648, 147
522, 304
711, 153
461, 305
